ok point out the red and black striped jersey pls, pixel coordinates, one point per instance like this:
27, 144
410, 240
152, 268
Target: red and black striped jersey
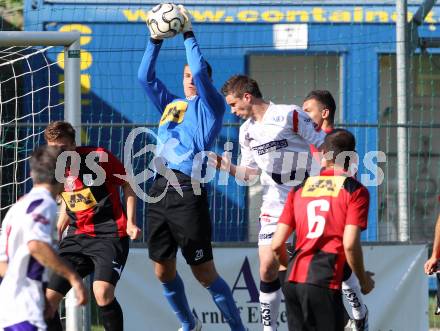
95, 207
318, 211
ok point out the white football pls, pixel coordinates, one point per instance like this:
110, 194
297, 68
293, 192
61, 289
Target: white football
166, 20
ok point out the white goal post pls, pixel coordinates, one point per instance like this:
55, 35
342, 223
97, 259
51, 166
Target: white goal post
76, 319
70, 41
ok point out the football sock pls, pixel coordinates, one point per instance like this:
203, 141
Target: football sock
222, 295
112, 316
54, 324
282, 276
353, 294
270, 300
174, 291
438, 290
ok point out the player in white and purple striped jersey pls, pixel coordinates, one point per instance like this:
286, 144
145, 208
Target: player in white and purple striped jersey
26, 251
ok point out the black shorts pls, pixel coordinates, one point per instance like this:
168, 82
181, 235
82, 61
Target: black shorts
313, 308
105, 257
179, 221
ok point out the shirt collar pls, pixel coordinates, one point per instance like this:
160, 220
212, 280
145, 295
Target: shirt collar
328, 130
40, 190
333, 172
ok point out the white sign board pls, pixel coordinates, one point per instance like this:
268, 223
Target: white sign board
399, 301
290, 36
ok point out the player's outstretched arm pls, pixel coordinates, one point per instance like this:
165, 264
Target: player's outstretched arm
3, 249
431, 264
243, 173
355, 258
248, 170
130, 203
155, 89
3, 268
199, 69
47, 257
3, 256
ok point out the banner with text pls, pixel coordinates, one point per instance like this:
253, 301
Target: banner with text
399, 301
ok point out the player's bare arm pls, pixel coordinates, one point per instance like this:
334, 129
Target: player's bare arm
355, 258
431, 264
246, 174
3, 268
46, 256
3, 256
279, 243
63, 220
130, 202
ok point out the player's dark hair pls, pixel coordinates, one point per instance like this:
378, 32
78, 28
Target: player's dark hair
59, 130
326, 99
208, 68
340, 142
238, 85
43, 164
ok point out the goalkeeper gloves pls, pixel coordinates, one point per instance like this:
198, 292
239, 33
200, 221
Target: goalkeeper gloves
187, 26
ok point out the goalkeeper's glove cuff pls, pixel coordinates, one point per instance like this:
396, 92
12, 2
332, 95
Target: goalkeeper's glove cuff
188, 34
156, 41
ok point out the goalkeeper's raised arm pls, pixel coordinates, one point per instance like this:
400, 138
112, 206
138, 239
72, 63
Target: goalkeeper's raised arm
155, 89
201, 72
197, 76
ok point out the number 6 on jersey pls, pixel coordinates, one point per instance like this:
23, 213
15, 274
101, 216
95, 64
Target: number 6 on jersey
316, 222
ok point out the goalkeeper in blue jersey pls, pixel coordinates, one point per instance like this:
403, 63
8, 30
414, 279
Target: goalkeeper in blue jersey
181, 217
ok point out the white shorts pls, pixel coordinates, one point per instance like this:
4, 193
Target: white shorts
268, 226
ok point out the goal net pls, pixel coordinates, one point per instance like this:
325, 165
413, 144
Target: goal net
29, 98
35, 88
